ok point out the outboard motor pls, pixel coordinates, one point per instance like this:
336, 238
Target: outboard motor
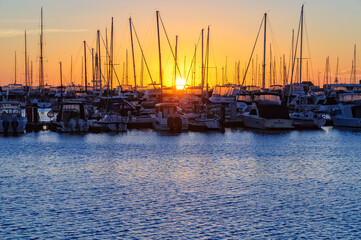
14, 125
6, 125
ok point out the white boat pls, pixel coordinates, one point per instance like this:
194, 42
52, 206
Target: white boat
307, 120
168, 118
11, 119
225, 94
111, 122
71, 118
348, 112
203, 123
267, 112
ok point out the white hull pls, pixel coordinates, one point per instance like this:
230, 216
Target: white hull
251, 121
307, 120
72, 126
347, 122
205, 124
164, 124
13, 126
114, 122
309, 123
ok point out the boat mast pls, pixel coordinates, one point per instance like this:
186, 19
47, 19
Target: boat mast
175, 60
15, 69
61, 77
41, 71
28, 72
82, 71
301, 46
107, 58
26, 64
194, 66
93, 69
99, 64
354, 64
85, 72
31, 74
111, 56
160, 60
71, 68
202, 63
336, 79
264, 54
131, 40
207, 63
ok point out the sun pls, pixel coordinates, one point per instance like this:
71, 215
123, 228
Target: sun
180, 83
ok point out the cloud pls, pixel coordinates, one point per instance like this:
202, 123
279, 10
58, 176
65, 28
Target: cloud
17, 32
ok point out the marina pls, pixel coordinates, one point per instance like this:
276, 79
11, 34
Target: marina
135, 120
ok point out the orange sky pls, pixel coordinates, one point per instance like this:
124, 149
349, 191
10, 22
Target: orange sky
332, 29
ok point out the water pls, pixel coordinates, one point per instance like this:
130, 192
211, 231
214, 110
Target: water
240, 184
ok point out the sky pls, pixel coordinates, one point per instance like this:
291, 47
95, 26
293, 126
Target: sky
332, 29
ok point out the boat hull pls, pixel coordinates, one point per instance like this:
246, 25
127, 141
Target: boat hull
13, 126
163, 124
262, 123
347, 122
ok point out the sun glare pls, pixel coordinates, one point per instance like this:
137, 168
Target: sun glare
180, 83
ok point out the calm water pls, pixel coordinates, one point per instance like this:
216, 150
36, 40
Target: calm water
239, 184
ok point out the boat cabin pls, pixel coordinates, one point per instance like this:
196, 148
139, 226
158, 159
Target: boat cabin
71, 110
166, 109
10, 107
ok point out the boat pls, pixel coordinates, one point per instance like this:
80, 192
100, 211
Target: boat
348, 112
267, 112
71, 118
11, 119
308, 120
204, 123
168, 118
111, 122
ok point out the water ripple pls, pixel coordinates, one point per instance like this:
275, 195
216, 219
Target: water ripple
238, 184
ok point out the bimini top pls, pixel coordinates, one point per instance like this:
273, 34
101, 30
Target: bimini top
349, 98
11, 104
166, 104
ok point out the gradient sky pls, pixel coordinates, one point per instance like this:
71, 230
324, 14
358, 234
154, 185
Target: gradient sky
332, 29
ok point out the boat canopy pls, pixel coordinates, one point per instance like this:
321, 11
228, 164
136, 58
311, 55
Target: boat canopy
268, 99
349, 98
244, 98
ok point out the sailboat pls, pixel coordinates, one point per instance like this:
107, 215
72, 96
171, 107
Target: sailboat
303, 105
168, 116
267, 112
208, 120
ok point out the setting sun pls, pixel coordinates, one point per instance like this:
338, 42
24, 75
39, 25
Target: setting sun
180, 83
